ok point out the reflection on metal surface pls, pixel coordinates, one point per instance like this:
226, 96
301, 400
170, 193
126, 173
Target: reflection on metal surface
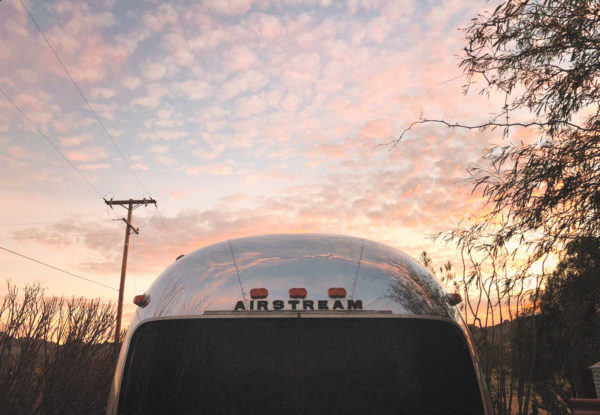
217, 277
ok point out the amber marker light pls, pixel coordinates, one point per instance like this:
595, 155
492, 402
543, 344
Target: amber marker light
337, 292
141, 300
454, 299
259, 293
298, 292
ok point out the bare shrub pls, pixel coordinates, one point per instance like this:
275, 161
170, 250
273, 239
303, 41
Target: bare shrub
55, 354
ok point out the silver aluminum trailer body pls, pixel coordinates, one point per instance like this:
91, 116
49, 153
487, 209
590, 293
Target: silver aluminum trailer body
214, 284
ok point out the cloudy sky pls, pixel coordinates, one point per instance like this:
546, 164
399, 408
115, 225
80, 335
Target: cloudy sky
240, 117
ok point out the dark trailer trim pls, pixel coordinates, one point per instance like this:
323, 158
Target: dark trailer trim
317, 365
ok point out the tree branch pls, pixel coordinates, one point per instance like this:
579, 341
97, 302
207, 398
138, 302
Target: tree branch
483, 126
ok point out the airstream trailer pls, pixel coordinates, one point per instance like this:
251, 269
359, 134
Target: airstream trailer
294, 324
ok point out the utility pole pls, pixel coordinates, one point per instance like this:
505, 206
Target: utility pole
130, 205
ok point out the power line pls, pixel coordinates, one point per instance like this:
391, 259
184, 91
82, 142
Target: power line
58, 269
54, 223
58, 232
49, 141
151, 251
83, 97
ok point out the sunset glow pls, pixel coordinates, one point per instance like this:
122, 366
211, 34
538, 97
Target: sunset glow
240, 118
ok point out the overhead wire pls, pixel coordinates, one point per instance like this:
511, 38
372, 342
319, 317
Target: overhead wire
61, 234
57, 149
59, 269
151, 250
54, 223
65, 158
83, 97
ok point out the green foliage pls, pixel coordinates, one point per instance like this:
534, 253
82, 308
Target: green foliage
569, 321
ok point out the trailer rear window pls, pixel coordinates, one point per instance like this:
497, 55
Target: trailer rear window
299, 366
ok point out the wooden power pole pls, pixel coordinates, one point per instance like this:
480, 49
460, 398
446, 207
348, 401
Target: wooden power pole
129, 205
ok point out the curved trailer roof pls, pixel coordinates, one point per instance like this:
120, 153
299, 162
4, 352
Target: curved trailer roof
216, 277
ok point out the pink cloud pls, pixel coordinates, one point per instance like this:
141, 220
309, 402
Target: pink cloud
87, 154
103, 93
87, 56
194, 89
95, 166
247, 81
229, 7
22, 153
239, 58
178, 49
164, 15
163, 135
209, 153
75, 140
154, 71
39, 101
69, 122
131, 82
139, 166
330, 151
248, 106
378, 129
177, 195
266, 26
152, 99
219, 169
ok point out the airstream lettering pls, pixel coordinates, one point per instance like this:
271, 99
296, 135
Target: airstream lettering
306, 305
320, 324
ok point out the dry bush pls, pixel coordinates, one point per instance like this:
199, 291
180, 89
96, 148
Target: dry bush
56, 355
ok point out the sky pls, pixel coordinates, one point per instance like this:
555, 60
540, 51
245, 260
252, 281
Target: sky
240, 117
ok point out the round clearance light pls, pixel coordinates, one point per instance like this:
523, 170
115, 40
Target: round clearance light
298, 292
141, 300
337, 292
454, 299
259, 293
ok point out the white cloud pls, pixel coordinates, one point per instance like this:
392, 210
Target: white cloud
248, 106
104, 93
178, 49
95, 166
239, 58
69, 122
159, 149
163, 135
87, 154
247, 81
154, 71
194, 89
266, 26
229, 7
22, 153
218, 169
131, 82
152, 99
209, 153
39, 101
139, 166
75, 140
164, 15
